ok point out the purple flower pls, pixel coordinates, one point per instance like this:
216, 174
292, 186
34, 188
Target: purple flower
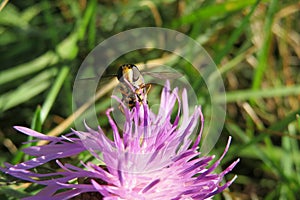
153, 158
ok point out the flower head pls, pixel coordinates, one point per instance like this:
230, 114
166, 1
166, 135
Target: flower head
153, 158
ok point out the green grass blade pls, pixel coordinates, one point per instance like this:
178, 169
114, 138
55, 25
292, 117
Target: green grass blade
10, 16
263, 54
36, 123
281, 125
287, 165
22, 70
63, 73
9, 192
68, 48
213, 11
82, 26
295, 152
236, 34
26, 91
243, 95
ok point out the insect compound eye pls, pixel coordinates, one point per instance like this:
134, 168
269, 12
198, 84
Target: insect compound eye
120, 73
135, 73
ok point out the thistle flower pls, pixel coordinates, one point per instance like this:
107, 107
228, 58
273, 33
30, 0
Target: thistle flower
153, 158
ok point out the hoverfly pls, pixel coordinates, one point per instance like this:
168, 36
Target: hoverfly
132, 85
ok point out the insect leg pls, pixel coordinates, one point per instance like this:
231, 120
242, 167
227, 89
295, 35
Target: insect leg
148, 87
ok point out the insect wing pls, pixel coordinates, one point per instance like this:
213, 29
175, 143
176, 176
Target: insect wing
164, 75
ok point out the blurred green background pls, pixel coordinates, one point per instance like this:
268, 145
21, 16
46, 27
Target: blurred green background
255, 44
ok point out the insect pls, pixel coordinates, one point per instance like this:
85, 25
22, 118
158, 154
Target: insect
132, 85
